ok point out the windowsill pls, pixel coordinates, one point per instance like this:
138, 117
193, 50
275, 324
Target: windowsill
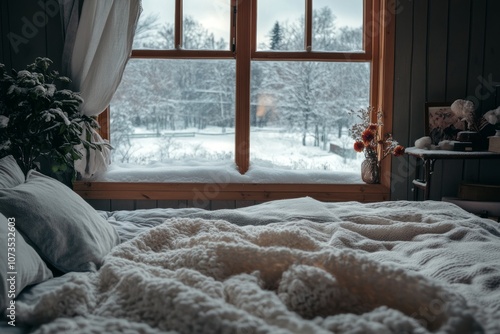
221, 172
223, 182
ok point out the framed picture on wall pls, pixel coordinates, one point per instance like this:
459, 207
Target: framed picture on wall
441, 123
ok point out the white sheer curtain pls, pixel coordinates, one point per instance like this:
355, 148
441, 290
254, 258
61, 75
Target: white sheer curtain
96, 53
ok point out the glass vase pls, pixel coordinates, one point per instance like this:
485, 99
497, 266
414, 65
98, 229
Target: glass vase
370, 171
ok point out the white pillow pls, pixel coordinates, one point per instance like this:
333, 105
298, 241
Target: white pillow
64, 229
16, 256
11, 174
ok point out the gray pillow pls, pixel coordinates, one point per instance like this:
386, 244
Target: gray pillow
11, 174
27, 265
64, 229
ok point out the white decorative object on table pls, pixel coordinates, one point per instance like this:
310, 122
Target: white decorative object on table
493, 117
464, 109
424, 143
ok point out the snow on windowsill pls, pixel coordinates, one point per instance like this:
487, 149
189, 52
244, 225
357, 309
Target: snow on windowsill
221, 172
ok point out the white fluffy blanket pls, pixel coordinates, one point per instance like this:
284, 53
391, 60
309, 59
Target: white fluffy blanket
378, 268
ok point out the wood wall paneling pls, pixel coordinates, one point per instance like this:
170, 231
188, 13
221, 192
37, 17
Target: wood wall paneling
32, 39
100, 204
437, 51
216, 205
146, 204
476, 50
30, 29
53, 33
475, 67
242, 204
171, 204
231, 192
3, 20
488, 170
458, 49
4, 29
456, 88
122, 204
418, 69
491, 67
436, 80
401, 167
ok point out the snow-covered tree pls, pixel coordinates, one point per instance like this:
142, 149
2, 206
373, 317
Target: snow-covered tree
276, 36
314, 97
307, 99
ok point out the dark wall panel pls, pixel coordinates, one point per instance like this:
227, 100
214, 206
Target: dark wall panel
2, 48
54, 39
462, 52
401, 119
488, 170
475, 68
436, 73
456, 87
458, 49
476, 49
4, 27
437, 54
491, 69
30, 29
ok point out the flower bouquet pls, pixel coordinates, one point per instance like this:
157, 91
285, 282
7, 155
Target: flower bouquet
375, 146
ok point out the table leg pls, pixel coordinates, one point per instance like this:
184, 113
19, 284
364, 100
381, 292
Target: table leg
429, 170
416, 177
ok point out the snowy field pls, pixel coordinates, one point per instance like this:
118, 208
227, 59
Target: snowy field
207, 156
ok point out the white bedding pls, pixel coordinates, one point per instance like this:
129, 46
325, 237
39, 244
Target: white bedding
292, 266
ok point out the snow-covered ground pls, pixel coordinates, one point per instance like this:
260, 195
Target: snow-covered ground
208, 156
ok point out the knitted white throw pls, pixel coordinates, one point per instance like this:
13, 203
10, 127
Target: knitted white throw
368, 274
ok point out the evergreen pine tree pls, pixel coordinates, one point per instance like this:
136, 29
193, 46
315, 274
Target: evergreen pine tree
276, 36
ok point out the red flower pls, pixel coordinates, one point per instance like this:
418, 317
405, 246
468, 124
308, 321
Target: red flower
369, 139
398, 151
359, 146
367, 136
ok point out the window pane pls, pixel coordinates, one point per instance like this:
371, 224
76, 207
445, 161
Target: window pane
155, 29
206, 24
337, 25
174, 109
300, 113
280, 25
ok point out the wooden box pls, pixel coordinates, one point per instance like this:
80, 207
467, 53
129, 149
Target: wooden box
479, 192
494, 144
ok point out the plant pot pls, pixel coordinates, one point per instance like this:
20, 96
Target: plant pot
370, 171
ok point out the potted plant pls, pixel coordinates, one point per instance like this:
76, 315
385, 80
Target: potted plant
40, 119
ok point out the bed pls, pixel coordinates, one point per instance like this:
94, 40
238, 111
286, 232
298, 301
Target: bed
285, 266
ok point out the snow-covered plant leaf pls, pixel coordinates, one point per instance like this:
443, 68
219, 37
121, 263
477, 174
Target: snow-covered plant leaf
40, 116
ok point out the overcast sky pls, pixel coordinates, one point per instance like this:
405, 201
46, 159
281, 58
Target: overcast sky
214, 14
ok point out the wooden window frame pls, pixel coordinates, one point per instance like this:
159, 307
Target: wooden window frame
379, 51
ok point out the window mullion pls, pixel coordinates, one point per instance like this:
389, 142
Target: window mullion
372, 36
308, 25
178, 25
370, 24
242, 119
232, 28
